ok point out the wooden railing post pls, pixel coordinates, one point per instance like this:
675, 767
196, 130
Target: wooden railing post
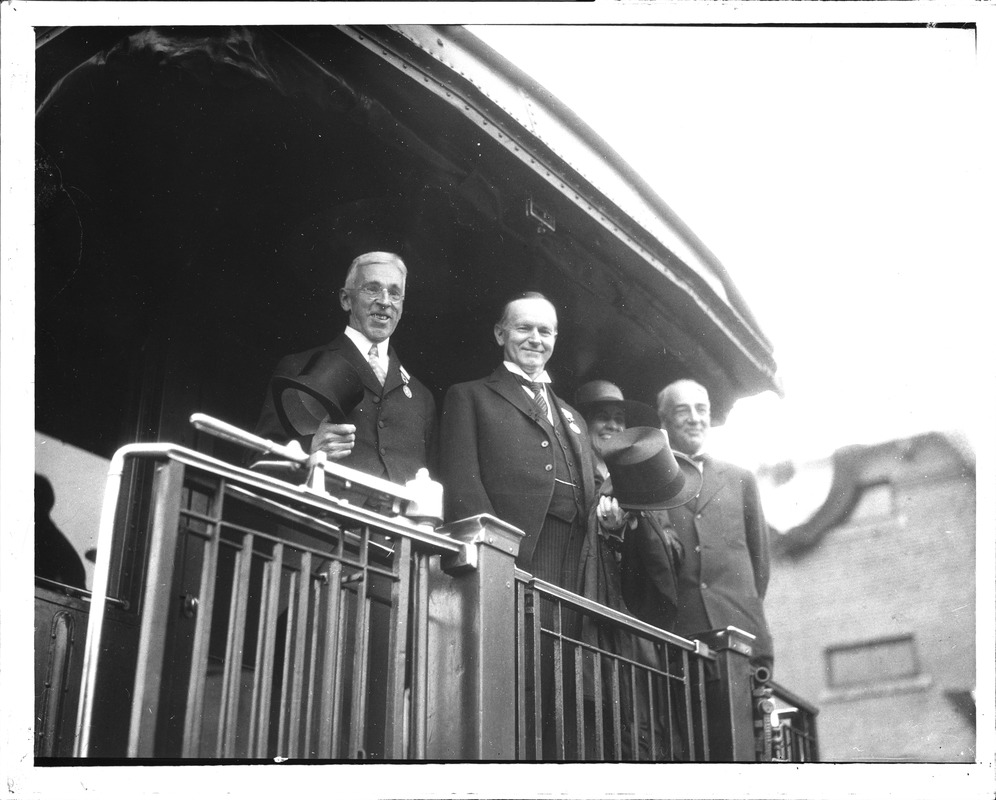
730, 699
471, 645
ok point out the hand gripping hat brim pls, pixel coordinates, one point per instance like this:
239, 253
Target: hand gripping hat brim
646, 474
328, 387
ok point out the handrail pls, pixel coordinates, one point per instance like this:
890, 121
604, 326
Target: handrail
399, 525
623, 620
76, 592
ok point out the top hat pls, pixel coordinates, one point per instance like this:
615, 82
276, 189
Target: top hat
648, 475
596, 393
328, 387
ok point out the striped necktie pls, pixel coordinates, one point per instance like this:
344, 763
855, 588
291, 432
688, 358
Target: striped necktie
374, 362
538, 398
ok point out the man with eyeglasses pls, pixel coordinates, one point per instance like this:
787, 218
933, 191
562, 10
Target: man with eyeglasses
390, 432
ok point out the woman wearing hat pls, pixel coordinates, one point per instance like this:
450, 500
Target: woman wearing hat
631, 521
628, 445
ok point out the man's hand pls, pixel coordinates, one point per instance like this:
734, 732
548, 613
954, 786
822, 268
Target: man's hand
611, 517
335, 439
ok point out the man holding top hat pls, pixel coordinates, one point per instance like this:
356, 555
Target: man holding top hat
725, 570
651, 479
636, 478
352, 398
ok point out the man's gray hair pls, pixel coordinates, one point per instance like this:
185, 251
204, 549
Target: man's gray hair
503, 319
664, 395
375, 257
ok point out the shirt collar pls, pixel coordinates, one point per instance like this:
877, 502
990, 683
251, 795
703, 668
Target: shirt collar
515, 369
363, 344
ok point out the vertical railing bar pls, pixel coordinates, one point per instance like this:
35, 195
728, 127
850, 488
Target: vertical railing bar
558, 680
420, 663
687, 681
290, 667
300, 642
579, 701
315, 619
699, 696
522, 634
357, 721
703, 709
634, 733
156, 608
669, 709
537, 672
338, 672
596, 674
520, 672
616, 711
651, 715
268, 622
257, 678
331, 668
193, 719
232, 681
361, 658
398, 648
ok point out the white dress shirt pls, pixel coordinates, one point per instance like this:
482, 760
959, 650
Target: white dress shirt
363, 344
542, 380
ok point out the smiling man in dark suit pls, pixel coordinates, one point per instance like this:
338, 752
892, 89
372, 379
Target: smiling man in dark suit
512, 448
726, 566
390, 431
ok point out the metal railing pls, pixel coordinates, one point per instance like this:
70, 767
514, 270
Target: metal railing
256, 617
793, 725
596, 685
271, 621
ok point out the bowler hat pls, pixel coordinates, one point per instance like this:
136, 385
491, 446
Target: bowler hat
328, 387
596, 393
646, 473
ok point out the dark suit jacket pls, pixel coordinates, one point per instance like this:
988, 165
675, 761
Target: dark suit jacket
726, 565
395, 434
497, 456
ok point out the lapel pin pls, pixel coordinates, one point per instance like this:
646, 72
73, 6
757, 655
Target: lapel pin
570, 420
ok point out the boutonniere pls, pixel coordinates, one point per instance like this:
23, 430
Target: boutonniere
570, 420
405, 377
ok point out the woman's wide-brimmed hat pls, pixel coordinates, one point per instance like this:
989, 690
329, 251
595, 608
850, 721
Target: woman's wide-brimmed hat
328, 387
646, 473
598, 393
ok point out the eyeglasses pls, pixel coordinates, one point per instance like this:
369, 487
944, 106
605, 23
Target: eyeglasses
376, 291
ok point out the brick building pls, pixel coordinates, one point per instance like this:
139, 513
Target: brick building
872, 597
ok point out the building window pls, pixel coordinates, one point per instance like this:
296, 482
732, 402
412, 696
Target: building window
875, 502
873, 662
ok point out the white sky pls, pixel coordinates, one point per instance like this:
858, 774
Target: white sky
836, 174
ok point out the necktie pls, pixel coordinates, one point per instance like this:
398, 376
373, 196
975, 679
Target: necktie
538, 398
374, 362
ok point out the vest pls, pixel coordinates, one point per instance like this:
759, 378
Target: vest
568, 497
